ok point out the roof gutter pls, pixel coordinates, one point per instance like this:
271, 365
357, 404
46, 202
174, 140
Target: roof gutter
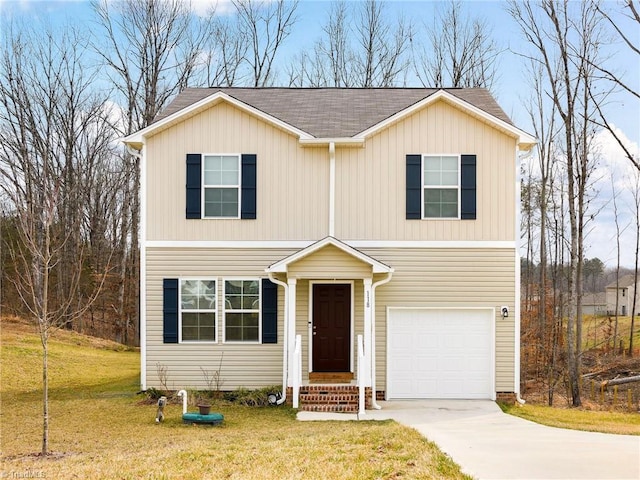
336, 141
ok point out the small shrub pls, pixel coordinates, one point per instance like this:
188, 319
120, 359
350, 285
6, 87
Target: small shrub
154, 394
251, 398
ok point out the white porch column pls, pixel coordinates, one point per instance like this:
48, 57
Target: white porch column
368, 308
291, 334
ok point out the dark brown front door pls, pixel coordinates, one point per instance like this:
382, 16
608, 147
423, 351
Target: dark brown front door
331, 327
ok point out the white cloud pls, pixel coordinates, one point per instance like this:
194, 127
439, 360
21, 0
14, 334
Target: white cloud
614, 172
203, 8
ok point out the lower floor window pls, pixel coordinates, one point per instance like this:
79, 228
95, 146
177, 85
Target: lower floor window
242, 310
198, 307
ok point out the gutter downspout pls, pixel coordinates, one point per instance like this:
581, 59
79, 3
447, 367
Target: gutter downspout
374, 404
143, 259
516, 319
285, 350
332, 189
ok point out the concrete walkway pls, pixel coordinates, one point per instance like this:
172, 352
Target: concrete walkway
491, 445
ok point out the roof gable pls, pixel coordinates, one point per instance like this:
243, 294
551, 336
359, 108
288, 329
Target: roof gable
333, 113
623, 282
281, 266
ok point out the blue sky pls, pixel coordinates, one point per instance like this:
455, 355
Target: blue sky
312, 14
511, 86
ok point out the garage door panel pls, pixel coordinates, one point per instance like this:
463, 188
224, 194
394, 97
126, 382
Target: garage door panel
437, 353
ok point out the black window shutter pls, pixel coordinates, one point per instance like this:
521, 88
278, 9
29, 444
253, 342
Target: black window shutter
468, 187
249, 179
194, 185
414, 187
269, 311
170, 310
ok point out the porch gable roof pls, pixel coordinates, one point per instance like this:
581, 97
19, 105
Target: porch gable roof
281, 266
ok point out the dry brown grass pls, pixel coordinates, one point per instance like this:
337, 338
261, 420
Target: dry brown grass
101, 429
579, 419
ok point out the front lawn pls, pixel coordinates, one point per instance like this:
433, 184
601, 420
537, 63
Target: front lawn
578, 419
100, 428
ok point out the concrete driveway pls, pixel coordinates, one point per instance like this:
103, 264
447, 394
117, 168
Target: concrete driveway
489, 444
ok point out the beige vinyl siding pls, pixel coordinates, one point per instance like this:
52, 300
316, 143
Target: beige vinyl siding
330, 262
450, 278
243, 365
370, 182
292, 183
422, 278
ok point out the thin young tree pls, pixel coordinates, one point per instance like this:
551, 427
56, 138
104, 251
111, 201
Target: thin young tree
616, 220
635, 191
47, 112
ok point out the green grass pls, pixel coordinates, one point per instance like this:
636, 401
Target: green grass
596, 330
100, 428
578, 419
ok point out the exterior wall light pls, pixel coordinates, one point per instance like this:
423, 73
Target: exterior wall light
505, 311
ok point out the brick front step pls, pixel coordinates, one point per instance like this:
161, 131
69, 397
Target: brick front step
312, 407
331, 398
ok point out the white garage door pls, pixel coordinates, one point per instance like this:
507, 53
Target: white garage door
440, 353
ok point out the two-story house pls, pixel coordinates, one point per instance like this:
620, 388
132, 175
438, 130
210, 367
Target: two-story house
622, 294
361, 239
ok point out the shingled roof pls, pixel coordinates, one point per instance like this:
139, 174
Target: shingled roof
333, 112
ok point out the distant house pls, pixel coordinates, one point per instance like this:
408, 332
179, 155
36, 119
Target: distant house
594, 303
626, 289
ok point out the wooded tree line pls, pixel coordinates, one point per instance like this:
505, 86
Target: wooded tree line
70, 192
70, 203
570, 84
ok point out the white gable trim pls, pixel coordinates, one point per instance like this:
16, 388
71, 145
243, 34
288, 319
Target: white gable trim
525, 140
281, 266
207, 102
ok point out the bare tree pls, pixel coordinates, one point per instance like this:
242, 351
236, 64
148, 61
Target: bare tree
379, 58
631, 11
265, 25
152, 50
543, 118
50, 123
616, 219
635, 190
460, 51
565, 39
225, 53
359, 47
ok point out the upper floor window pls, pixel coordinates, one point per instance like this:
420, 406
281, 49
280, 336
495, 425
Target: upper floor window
198, 310
221, 186
221, 183
441, 186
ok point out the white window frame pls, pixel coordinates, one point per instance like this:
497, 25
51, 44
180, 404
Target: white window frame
440, 187
214, 310
226, 310
205, 186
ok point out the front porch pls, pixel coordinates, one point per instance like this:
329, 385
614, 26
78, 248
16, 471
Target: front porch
329, 326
